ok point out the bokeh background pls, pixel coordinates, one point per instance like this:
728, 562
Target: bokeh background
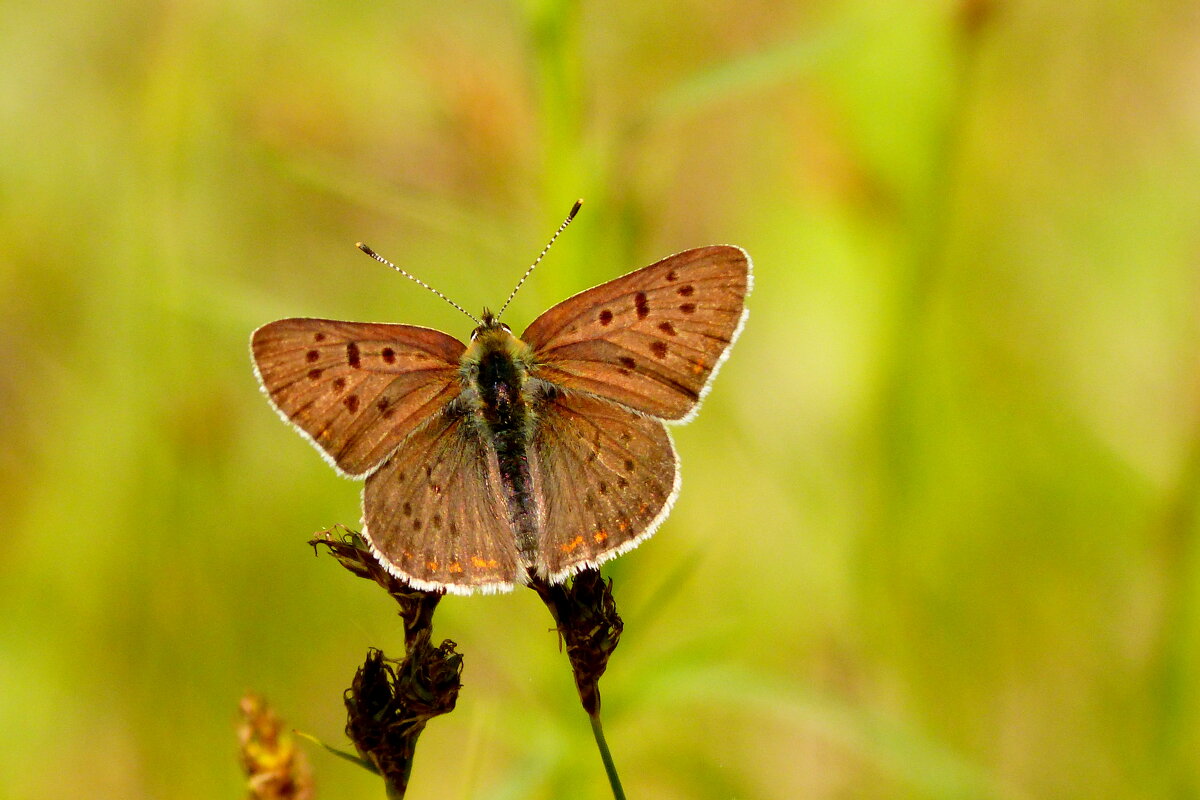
938, 530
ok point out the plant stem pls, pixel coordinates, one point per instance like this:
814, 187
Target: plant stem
610, 768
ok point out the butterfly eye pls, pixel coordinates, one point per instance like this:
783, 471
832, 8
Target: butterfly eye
506, 328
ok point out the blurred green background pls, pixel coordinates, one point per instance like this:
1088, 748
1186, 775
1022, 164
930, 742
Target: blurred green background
938, 530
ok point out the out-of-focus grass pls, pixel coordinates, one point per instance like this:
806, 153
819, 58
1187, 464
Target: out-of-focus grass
937, 533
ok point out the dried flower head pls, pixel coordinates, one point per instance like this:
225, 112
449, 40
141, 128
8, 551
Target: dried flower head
390, 702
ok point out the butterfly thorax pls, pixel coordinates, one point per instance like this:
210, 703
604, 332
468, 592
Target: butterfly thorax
495, 369
495, 376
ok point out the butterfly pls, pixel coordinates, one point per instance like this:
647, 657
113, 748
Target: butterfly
548, 452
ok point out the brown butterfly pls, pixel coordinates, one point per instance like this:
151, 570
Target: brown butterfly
545, 452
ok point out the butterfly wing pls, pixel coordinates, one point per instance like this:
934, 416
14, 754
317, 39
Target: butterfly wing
607, 477
435, 513
651, 340
355, 390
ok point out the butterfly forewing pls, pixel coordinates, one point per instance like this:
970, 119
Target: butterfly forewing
651, 339
356, 389
607, 477
436, 514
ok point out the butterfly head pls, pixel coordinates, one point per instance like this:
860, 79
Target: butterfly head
489, 324
493, 336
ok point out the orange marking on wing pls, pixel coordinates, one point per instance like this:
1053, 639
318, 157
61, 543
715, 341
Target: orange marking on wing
455, 567
480, 563
433, 566
600, 535
571, 545
623, 525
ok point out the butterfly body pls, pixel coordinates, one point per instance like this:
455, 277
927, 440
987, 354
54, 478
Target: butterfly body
547, 452
505, 400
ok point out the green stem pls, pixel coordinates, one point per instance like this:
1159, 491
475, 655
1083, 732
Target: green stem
610, 768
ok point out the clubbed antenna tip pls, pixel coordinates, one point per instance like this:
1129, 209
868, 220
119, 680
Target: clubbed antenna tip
570, 216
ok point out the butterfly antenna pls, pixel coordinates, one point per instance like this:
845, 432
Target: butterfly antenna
541, 255
413, 278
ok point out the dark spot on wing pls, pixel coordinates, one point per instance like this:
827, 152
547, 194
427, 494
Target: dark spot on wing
628, 465
602, 488
436, 521
352, 356
339, 383
318, 337
667, 328
686, 291
416, 523
640, 304
605, 317
351, 402
688, 308
659, 349
389, 355
622, 483
672, 275
407, 509
627, 362
311, 356
315, 374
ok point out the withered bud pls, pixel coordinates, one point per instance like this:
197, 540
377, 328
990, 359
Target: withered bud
586, 615
352, 552
390, 702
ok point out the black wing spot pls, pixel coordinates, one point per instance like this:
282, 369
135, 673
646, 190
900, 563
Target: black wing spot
641, 305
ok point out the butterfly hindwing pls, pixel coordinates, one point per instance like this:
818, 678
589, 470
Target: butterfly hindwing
435, 512
652, 339
606, 478
356, 390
